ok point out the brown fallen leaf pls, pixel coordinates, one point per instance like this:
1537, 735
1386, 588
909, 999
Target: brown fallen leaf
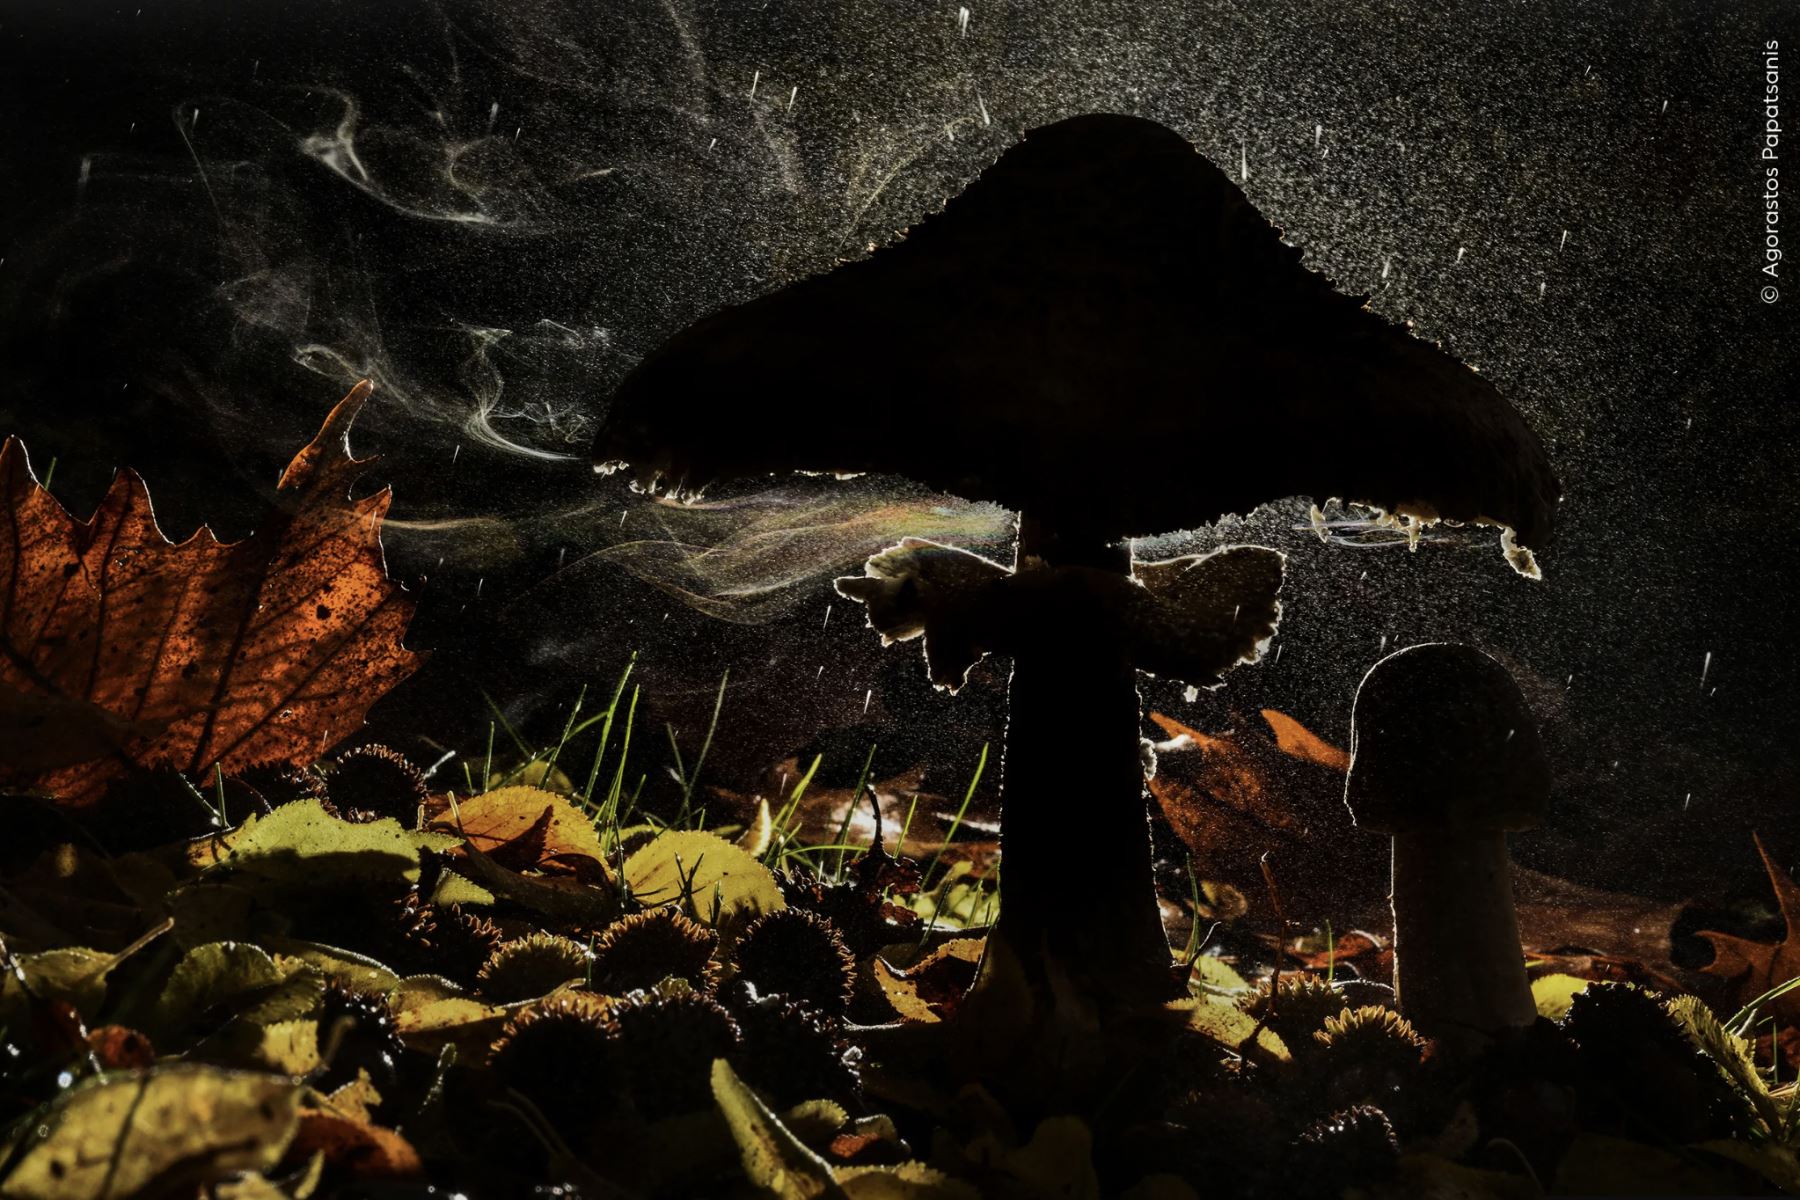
1234, 796
1755, 967
1231, 796
1623, 937
353, 1149
199, 652
526, 828
931, 988
1293, 738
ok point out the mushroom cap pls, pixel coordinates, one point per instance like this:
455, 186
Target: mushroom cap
1102, 331
1442, 740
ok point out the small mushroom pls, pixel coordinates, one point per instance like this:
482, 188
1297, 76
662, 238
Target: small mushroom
1104, 335
1445, 756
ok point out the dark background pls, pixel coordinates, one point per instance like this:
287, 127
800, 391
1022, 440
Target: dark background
217, 214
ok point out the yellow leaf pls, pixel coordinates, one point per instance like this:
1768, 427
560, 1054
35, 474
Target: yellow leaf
715, 881
774, 1159
288, 1047
454, 889
178, 1124
72, 974
908, 1181
1057, 1162
755, 839
207, 976
1214, 977
1230, 1026
301, 842
1554, 994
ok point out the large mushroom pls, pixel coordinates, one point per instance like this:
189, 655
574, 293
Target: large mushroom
1445, 757
1102, 334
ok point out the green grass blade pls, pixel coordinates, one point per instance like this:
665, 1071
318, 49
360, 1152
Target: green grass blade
969, 794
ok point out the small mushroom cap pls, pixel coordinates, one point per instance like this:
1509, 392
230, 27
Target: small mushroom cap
1103, 332
1441, 739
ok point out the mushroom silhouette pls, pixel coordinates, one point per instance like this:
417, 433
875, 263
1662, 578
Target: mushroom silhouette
1104, 335
1445, 757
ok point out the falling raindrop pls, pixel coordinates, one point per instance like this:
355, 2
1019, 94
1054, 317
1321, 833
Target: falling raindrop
1565, 240
827, 623
1386, 265
868, 696
1705, 667
1460, 250
1243, 163
755, 79
962, 21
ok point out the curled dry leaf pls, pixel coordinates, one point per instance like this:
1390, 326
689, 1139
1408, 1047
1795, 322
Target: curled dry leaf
198, 652
526, 828
931, 988
356, 1149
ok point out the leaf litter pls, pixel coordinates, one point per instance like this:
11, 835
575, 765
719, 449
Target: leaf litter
303, 993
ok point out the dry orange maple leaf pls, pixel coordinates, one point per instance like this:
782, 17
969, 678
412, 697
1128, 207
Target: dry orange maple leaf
119, 647
1758, 966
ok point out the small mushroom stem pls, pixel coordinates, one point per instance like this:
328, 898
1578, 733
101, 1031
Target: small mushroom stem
1459, 972
1078, 893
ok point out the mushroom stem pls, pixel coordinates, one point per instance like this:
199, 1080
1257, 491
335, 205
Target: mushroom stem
1079, 897
1459, 974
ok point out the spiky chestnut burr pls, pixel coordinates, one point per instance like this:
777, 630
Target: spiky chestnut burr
372, 782
1353, 1147
637, 952
800, 956
793, 1052
561, 1056
1640, 1073
666, 1046
279, 783
1300, 1006
357, 1032
450, 940
532, 966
